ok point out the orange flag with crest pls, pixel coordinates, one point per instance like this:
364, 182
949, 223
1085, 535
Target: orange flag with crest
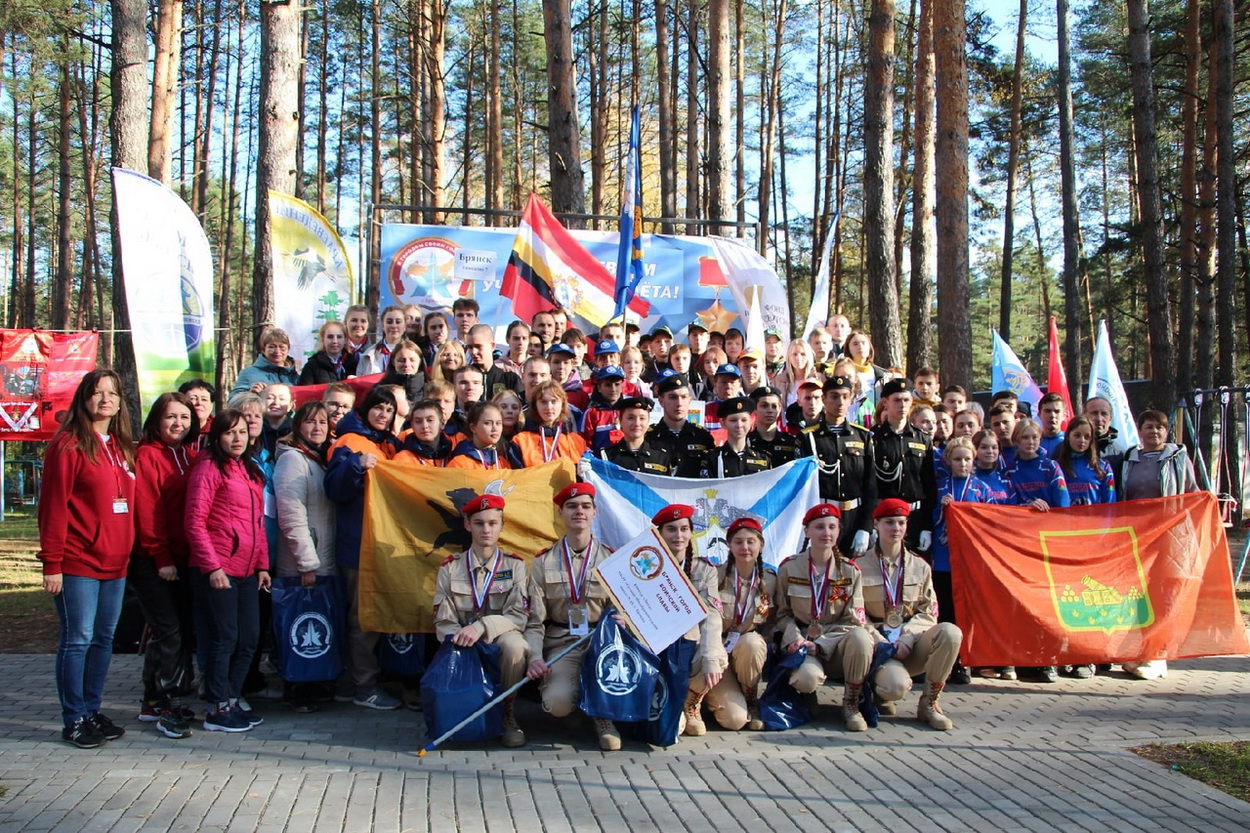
1120, 582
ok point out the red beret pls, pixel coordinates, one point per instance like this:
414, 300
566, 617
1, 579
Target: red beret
574, 490
745, 523
822, 510
890, 508
672, 512
480, 503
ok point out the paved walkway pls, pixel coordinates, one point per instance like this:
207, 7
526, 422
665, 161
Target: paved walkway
1023, 756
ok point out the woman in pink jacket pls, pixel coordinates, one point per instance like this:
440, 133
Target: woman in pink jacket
229, 561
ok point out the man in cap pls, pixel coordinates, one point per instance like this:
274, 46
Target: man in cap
726, 382
606, 353
843, 453
634, 451
804, 415
661, 342
696, 338
688, 443
481, 594
774, 353
779, 446
751, 369
903, 460
599, 422
566, 600
735, 457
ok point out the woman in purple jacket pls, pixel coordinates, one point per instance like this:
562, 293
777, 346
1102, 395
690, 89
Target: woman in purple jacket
229, 560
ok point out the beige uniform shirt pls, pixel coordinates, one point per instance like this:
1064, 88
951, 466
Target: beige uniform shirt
758, 601
919, 602
711, 657
551, 596
505, 608
843, 605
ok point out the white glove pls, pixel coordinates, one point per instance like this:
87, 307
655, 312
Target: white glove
583, 470
926, 540
859, 544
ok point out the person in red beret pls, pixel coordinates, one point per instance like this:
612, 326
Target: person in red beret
675, 525
481, 594
820, 607
566, 600
902, 609
747, 588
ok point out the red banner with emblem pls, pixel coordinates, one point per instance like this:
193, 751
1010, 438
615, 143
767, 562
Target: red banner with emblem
38, 375
1121, 582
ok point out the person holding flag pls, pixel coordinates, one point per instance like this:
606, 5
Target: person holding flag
566, 599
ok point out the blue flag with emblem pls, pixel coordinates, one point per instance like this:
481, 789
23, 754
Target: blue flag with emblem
629, 250
1010, 374
777, 498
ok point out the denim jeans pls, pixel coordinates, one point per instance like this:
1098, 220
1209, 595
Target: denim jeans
88, 609
233, 630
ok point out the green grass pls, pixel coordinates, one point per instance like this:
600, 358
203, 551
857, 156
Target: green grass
1225, 766
27, 620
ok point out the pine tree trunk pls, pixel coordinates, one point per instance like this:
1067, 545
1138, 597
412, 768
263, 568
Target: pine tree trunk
164, 87
1226, 207
923, 244
693, 204
879, 186
719, 160
494, 98
1013, 169
664, 105
63, 278
1188, 198
568, 194
951, 165
1072, 339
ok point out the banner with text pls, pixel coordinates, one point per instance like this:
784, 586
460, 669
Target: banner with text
40, 372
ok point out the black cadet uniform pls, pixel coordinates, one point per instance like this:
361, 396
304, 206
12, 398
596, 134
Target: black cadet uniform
783, 447
723, 461
689, 447
844, 455
903, 462
648, 457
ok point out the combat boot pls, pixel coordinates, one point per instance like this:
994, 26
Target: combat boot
609, 737
885, 708
513, 736
855, 721
753, 711
695, 727
930, 710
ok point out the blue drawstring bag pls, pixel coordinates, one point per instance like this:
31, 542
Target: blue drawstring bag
782, 707
308, 628
668, 701
402, 654
458, 682
618, 674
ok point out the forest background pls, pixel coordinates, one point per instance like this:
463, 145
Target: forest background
968, 195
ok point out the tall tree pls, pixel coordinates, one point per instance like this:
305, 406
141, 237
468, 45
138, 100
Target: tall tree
1226, 210
879, 186
719, 144
1158, 307
1013, 168
1071, 218
568, 193
1189, 197
279, 124
923, 249
951, 159
164, 88
664, 105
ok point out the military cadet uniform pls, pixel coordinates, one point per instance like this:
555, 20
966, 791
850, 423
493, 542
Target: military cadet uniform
827, 609
649, 457
491, 595
747, 612
566, 600
723, 461
689, 447
903, 461
844, 457
903, 609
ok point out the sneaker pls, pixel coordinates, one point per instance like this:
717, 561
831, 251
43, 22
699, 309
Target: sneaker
245, 708
226, 719
83, 734
988, 672
376, 698
1083, 672
107, 728
1007, 672
959, 676
172, 725
1047, 674
150, 710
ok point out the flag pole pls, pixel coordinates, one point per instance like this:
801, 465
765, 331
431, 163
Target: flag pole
491, 704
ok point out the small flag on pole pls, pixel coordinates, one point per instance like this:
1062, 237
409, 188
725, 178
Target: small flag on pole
1010, 374
1104, 381
1056, 377
629, 253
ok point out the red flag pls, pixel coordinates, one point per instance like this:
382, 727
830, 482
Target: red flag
548, 267
1056, 378
314, 393
39, 373
1117, 582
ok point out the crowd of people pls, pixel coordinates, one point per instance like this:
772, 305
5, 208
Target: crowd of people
208, 508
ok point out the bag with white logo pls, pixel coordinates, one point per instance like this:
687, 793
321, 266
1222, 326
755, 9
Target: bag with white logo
619, 675
669, 699
458, 682
402, 654
308, 628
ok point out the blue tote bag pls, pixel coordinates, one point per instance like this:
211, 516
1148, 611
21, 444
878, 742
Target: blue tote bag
308, 628
618, 674
458, 682
782, 707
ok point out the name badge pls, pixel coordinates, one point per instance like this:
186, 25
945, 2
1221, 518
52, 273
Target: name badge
891, 634
731, 642
121, 506
579, 621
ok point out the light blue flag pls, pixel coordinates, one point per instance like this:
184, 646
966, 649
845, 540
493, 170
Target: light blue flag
777, 498
1010, 374
1104, 381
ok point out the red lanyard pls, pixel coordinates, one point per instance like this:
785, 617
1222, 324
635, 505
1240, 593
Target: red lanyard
114, 464
577, 586
819, 597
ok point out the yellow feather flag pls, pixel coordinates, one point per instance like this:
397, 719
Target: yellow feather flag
412, 523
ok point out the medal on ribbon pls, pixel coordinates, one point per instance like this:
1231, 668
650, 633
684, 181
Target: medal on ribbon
579, 616
893, 601
479, 596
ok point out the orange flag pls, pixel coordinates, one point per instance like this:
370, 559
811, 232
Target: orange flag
1121, 582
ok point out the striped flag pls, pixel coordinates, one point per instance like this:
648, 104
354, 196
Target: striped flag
548, 267
629, 253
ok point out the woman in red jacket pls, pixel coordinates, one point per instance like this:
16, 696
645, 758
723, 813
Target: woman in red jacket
159, 562
230, 557
86, 532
